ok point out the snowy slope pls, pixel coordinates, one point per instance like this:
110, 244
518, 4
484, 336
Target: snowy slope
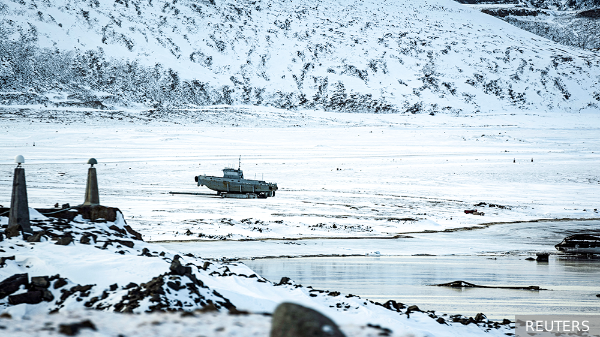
374, 55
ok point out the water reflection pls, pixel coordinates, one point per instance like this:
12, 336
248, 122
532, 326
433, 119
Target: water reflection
572, 283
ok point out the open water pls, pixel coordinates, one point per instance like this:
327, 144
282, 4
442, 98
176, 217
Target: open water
406, 268
571, 283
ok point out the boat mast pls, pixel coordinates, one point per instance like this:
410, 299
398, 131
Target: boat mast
240, 163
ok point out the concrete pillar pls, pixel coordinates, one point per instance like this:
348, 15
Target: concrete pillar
92, 197
19, 207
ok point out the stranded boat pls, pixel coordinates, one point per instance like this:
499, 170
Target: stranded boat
580, 244
233, 184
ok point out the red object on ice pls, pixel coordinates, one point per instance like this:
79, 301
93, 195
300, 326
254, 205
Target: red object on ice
470, 211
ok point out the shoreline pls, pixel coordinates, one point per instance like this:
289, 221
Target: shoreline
398, 236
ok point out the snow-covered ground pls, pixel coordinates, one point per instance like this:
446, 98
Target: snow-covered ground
341, 175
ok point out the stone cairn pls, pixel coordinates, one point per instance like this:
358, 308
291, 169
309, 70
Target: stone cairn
92, 197
18, 219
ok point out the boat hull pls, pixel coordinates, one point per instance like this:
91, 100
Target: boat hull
237, 186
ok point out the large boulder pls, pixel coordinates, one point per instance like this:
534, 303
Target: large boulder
12, 231
30, 297
293, 320
12, 284
74, 328
178, 269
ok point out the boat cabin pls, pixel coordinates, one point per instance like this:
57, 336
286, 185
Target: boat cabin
233, 173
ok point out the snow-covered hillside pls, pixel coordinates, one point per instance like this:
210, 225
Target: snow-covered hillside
373, 55
561, 24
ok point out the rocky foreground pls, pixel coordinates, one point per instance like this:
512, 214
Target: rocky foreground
86, 271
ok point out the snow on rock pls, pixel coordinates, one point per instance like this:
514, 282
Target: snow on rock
112, 275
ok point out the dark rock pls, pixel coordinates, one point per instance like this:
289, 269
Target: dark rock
47, 295
1, 237
441, 320
13, 231
85, 239
383, 331
125, 243
506, 321
95, 212
117, 229
36, 237
73, 329
412, 308
64, 240
235, 311
3, 260
130, 285
210, 307
66, 293
542, 257
113, 287
293, 320
393, 305
195, 280
12, 284
284, 280
81, 288
40, 281
177, 269
174, 286
205, 265
61, 282
30, 297
135, 234
91, 302
480, 317
146, 252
